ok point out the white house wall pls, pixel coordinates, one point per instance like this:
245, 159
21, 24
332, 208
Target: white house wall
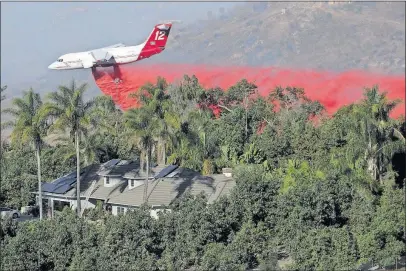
153, 212
112, 181
115, 209
84, 204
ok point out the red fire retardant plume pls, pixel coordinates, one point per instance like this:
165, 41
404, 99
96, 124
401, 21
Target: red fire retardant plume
333, 90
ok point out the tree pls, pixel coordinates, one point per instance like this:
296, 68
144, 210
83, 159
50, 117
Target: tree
372, 137
71, 114
144, 126
301, 199
382, 238
378, 129
240, 93
30, 125
185, 96
109, 130
3, 88
19, 176
158, 102
88, 148
219, 257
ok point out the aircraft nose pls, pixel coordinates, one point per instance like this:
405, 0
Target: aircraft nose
52, 66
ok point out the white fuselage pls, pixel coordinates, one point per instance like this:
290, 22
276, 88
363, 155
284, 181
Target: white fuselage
117, 54
83, 60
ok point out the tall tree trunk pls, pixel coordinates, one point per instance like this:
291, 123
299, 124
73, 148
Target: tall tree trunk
142, 160
147, 174
204, 141
245, 106
368, 156
154, 152
78, 176
37, 147
164, 154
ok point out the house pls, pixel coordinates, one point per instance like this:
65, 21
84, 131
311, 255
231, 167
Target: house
119, 186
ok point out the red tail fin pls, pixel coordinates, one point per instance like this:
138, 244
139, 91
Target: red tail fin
156, 41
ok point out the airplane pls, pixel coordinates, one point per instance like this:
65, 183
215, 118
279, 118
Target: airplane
117, 54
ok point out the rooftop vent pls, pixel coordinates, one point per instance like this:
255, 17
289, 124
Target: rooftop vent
227, 171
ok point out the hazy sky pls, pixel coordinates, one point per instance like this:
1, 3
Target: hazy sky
34, 34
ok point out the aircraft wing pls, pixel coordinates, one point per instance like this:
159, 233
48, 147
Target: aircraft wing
100, 54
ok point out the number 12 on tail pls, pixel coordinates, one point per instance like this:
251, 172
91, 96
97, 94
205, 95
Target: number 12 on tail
159, 35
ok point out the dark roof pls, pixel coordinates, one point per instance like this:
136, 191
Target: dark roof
62, 184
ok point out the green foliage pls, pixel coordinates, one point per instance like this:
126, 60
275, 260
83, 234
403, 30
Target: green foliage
302, 175
208, 168
325, 249
18, 177
382, 239
318, 195
218, 257
29, 128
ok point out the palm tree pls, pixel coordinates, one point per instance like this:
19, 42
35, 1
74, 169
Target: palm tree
71, 115
108, 124
30, 125
144, 125
158, 103
88, 148
372, 130
378, 128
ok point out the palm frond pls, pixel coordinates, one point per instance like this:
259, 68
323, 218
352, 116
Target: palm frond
8, 124
11, 111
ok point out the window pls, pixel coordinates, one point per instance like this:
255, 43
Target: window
120, 210
132, 183
107, 180
60, 60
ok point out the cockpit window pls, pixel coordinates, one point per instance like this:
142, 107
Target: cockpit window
60, 60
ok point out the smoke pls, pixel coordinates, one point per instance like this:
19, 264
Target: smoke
333, 90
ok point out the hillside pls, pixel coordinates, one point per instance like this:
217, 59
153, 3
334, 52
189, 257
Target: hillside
341, 36
335, 37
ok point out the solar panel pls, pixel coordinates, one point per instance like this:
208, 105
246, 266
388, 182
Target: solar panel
62, 189
71, 177
166, 171
172, 174
60, 180
47, 187
124, 163
56, 189
68, 181
111, 163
